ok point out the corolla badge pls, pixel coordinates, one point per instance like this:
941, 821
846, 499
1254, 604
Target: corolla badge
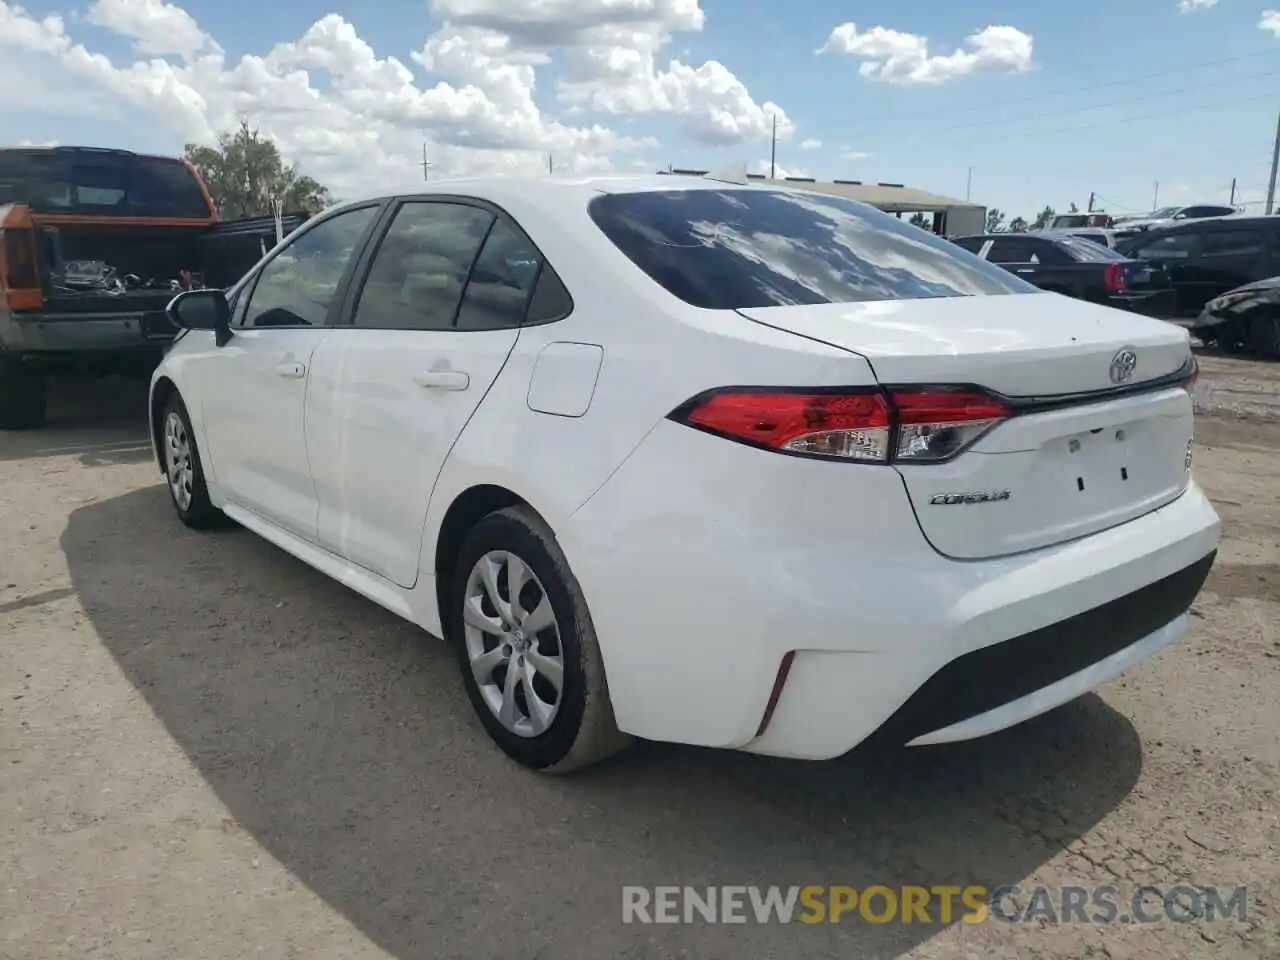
976, 496
1123, 364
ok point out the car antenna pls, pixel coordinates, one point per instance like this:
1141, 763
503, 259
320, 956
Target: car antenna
737, 173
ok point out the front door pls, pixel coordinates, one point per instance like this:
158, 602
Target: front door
431, 329
255, 387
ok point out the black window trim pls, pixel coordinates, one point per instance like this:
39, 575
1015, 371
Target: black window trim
362, 265
249, 285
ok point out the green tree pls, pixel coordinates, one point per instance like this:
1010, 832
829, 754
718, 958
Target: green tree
245, 173
1018, 225
1043, 217
995, 221
1073, 209
920, 220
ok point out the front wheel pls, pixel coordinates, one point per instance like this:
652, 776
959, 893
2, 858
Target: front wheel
1264, 337
527, 648
184, 471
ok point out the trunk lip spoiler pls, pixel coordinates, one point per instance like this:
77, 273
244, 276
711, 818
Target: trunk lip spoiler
1019, 405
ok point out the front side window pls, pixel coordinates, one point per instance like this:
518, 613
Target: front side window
421, 267
1179, 246
742, 248
297, 287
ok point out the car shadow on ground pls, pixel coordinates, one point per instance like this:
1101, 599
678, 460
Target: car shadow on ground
340, 738
102, 422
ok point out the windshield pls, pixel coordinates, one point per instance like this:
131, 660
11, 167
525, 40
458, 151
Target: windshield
1084, 249
103, 184
735, 249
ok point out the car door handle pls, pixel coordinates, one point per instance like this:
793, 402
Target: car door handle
443, 380
291, 369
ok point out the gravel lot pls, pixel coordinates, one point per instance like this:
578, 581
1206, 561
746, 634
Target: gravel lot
208, 750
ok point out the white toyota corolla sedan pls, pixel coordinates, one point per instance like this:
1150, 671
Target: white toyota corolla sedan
696, 461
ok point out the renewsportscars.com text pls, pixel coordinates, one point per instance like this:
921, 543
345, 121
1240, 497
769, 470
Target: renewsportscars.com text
939, 904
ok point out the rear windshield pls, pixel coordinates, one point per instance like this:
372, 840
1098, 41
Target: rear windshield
1071, 220
107, 184
736, 249
1081, 248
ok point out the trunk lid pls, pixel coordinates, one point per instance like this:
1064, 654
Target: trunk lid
1070, 464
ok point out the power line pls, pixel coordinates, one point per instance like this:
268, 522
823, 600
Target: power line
1067, 91
1180, 110
1113, 103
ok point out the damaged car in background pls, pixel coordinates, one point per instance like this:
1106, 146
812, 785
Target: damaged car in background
1246, 318
94, 243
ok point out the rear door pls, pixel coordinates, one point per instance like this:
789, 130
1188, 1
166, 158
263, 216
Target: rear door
432, 323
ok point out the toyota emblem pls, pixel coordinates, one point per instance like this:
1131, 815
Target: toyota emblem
1123, 364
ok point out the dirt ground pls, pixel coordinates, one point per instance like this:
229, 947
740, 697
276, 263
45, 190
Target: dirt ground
208, 750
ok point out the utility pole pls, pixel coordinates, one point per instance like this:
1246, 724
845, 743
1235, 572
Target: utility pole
773, 151
1155, 201
1275, 162
968, 187
426, 164
1232, 201
1091, 201
551, 167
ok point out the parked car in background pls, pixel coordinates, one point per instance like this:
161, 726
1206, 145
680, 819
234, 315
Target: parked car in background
94, 243
734, 466
1130, 226
1246, 318
1207, 258
1070, 221
1077, 268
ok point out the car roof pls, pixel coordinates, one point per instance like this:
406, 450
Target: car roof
561, 188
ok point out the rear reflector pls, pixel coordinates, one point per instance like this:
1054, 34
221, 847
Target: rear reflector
906, 425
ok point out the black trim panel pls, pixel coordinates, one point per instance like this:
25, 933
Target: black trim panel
993, 676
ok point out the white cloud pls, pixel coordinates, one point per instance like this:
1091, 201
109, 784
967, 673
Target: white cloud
1191, 6
810, 144
848, 154
156, 28
779, 171
904, 58
1270, 21
354, 118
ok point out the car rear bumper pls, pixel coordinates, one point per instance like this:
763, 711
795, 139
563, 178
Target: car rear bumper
60, 333
708, 565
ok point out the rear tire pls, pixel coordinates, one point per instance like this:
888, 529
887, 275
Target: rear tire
184, 471
24, 397
1264, 337
513, 654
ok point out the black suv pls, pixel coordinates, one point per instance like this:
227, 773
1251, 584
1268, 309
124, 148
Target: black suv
1206, 258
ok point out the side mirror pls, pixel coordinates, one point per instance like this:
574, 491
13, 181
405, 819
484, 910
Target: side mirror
202, 310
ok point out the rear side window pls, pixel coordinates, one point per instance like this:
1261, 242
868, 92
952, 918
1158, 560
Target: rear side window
1232, 243
1175, 246
1012, 251
501, 281
733, 249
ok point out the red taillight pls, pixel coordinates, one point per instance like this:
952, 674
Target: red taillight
906, 425
1113, 278
20, 270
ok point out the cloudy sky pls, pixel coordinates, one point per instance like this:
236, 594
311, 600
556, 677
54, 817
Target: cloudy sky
1043, 102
